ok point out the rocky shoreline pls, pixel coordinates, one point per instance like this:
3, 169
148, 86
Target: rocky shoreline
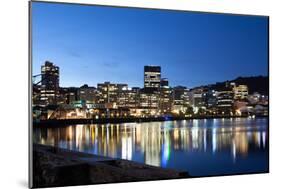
53, 167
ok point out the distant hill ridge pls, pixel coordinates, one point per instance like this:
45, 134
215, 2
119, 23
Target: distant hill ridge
258, 84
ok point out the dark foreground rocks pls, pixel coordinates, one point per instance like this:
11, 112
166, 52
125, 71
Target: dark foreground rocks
59, 167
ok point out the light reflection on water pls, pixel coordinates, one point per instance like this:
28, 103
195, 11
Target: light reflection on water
201, 147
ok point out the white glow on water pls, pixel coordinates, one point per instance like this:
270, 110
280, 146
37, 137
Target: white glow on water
214, 140
264, 139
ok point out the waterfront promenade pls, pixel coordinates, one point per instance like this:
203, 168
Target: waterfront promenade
65, 122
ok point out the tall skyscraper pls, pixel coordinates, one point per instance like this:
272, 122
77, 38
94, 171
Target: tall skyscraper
165, 96
180, 99
49, 92
152, 77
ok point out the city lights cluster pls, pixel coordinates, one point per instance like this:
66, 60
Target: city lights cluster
155, 99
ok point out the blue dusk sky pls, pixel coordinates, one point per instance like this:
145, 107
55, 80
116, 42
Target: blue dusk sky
93, 44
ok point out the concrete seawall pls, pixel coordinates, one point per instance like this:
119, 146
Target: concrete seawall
54, 167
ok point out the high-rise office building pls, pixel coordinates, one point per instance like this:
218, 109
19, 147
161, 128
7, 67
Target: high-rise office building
197, 97
152, 77
49, 92
149, 95
211, 98
165, 96
108, 92
240, 92
180, 99
128, 97
225, 101
149, 99
87, 93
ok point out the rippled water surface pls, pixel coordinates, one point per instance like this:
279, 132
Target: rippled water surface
201, 147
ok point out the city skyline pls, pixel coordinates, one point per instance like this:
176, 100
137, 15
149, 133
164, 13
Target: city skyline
142, 85
125, 94
233, 47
